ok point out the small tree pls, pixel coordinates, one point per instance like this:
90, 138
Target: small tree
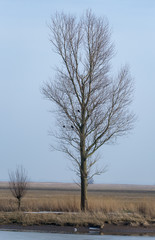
18, 183
92, 105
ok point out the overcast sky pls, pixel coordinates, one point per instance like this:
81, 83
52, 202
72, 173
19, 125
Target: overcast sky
27, 60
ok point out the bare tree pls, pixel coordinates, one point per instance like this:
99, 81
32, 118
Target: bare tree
18, 184
92, 105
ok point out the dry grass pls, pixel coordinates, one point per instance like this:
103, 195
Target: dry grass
65, 219
116, 206
96, 219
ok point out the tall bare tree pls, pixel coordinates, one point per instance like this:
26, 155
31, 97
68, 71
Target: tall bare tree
18, 183
92, 105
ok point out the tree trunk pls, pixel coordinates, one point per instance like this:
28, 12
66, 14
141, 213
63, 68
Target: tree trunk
83, 169
84, 203
19, 203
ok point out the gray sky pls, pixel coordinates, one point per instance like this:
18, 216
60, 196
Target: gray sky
27, 60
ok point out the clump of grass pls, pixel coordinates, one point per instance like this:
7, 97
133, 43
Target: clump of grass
105, 205
146, 208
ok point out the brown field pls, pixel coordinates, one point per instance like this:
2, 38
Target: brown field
117, 204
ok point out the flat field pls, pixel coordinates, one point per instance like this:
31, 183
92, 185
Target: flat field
66, 197
115, 204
